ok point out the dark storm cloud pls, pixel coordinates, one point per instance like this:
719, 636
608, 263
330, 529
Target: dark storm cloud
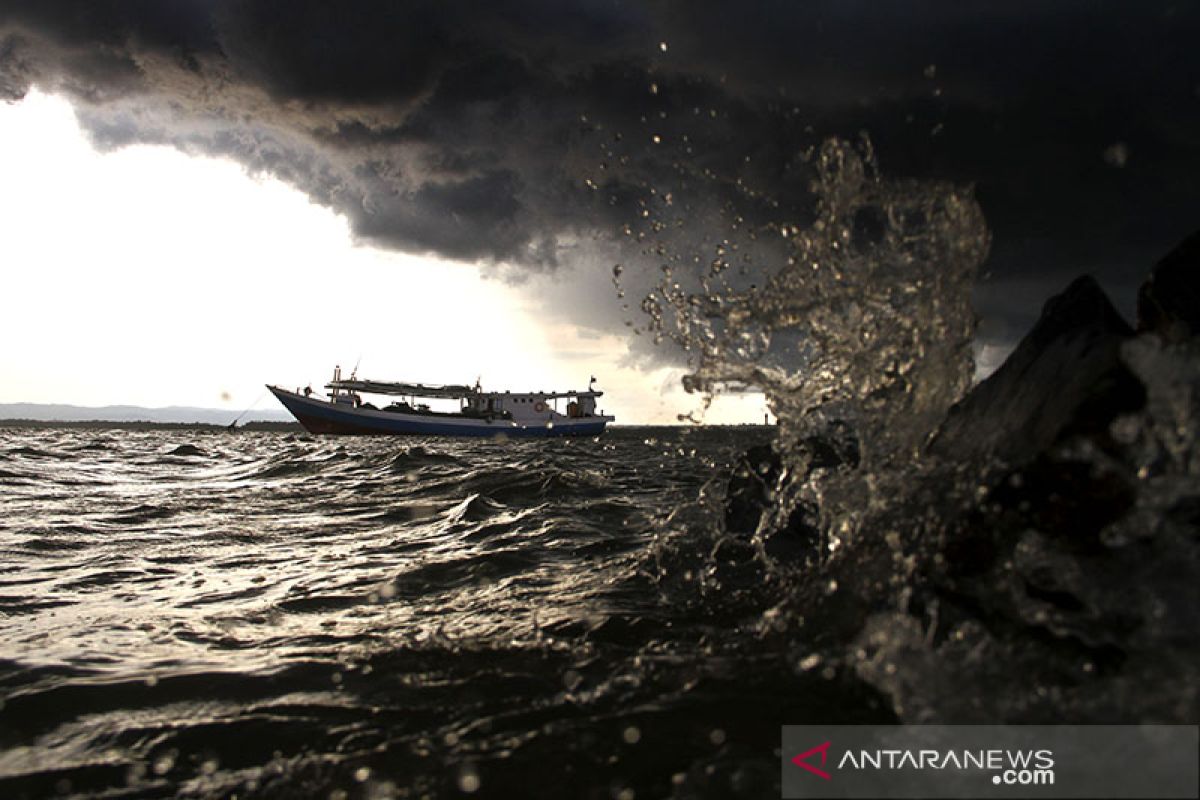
434, 127
472, 130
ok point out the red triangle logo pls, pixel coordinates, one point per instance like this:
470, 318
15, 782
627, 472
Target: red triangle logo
802, 760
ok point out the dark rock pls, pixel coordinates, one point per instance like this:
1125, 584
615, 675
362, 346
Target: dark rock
1041, 566
1072, 500
751, 494
756, 478
1037, 571
1055, 578
834, 448
746, 494
1065, 377
1169, 301
1051, 598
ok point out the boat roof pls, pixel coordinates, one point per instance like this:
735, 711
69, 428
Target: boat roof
392, 387
446, 391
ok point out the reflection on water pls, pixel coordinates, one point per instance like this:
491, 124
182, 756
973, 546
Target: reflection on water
285, 615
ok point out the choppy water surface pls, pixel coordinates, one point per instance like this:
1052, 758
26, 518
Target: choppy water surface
269, 615
289, 616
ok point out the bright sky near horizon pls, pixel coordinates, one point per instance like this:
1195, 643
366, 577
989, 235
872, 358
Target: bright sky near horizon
149, 277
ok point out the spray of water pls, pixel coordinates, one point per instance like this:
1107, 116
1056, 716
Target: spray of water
962, 587
857, 328
867, 319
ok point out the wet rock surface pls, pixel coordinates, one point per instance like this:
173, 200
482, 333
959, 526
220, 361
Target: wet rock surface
759, 475
1066, 376
1046, 566
1169, 300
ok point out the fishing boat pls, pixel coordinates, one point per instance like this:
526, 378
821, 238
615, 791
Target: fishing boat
345, 410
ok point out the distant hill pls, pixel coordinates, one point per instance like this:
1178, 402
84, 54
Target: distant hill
53, 412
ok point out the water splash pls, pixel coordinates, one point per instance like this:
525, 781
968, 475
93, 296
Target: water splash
855, 321
867, 319
963, 586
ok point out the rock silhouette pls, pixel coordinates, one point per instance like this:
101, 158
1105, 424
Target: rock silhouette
1169, 300
1046, 566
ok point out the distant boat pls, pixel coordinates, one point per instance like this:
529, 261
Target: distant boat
514, 414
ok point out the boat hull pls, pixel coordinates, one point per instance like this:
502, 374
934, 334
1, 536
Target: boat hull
319, 416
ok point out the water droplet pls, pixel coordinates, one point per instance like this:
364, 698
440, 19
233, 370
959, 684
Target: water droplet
136, 772
1117, 155
631, 735
654, 88
662, 46
931, 71
361, 774
717, 737
468, 779
163, 764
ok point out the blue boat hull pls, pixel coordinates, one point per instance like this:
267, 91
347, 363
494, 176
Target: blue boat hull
319, 416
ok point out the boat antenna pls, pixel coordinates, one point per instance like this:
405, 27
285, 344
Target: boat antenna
233, 425
354, 372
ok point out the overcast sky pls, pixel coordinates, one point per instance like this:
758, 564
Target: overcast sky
516, 140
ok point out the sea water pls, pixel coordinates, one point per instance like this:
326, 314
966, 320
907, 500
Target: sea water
285, 615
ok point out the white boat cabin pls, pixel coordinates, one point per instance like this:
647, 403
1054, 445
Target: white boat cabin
538, 406
520, 407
